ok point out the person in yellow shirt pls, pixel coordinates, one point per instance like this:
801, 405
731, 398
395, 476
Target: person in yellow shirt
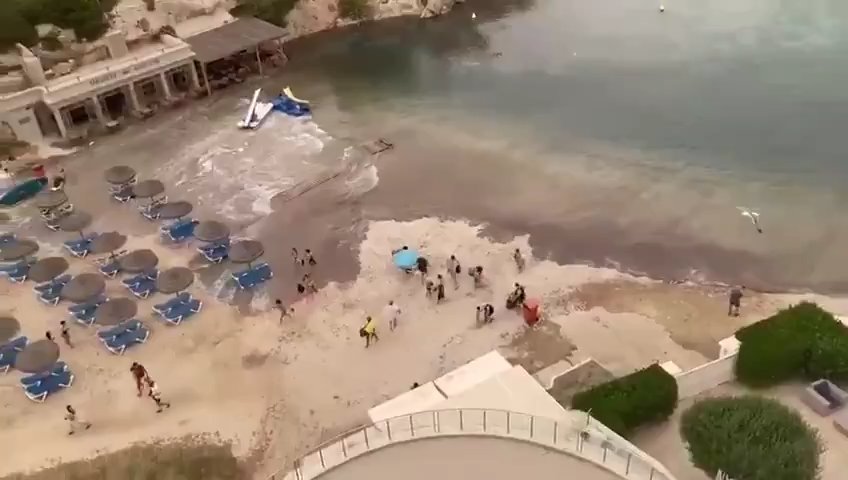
369, 331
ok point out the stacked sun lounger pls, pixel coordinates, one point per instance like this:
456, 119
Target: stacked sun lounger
143, 284
178, 308
17, 272
181, 230
9, 352
215, 252
49, 292
124, 335
41, 385
253, 276
81, 247
83, 313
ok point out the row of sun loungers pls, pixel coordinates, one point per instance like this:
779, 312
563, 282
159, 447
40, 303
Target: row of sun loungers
252, 277
50, 292
118, 338
39, 386
80, 248
178, 308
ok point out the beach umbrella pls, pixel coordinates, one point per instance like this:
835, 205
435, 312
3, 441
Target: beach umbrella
9, 327
37, 357
83, 287
17, 250
50, 199
107, 242
47, 269
174, 280
119, 174
138, 261
148, 189
246, 251
173, 210
115, 311
74, 222
405, 259
211, 231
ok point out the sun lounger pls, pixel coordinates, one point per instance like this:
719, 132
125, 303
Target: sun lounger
110, 269
57, 369
141, 277
7, 238
143, 289
181, 298
182, 232
216, 254
119, 329
175, 223
84, 312
51, 297
57, 282
17, 272
80, 248
182, 311
48, 386
9, 351
254, 276
119, 344
122, 194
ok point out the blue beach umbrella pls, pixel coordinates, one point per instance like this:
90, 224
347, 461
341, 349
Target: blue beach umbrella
405, 259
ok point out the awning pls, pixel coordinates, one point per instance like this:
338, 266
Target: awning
240, 34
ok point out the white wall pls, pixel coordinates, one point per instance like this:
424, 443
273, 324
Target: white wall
23, 124
706, 376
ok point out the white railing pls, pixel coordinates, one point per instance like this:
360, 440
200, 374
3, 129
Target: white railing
578, 438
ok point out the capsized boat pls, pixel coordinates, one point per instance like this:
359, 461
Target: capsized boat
256, 112
287, 103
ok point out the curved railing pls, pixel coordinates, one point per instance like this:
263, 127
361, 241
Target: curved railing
582, 438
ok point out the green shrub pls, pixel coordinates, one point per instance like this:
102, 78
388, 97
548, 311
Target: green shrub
750, 438
623, 404
272, 11
354, 9
802, 341
14, 27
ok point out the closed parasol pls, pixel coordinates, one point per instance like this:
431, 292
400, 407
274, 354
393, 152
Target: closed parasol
115, 311
138, 261
37, 357
148, 189
17, 250
9, 327
83, 287
47, 269
172, 210
174, 280
50, 199
119, 174
107, 242
211, 231
246, 251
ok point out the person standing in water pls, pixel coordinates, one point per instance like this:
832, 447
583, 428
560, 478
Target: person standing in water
454, 269
519, 259
295, 257
735, 301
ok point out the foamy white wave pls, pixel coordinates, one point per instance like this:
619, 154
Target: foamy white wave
363, 180
261, 301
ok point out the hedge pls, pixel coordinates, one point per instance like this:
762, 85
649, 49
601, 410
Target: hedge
800, 342
626, 403
750, 438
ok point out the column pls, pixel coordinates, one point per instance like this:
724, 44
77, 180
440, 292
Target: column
195, 79
98, 111
136, 105
166, 89
60, 122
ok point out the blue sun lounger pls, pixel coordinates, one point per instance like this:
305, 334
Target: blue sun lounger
9, 352
49, 385
175, 223
84, 312
57, 282
182, 232
7, 238
216, 254
182, 311
143, 289
51, 297
81, 247
17, 272
111, 269
119, 344
57, 369
179, 299
119, 329
253, 276
141, 277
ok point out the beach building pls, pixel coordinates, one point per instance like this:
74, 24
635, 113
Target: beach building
116, 78
486, 419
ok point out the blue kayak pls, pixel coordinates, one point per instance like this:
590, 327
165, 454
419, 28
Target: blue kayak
22, 191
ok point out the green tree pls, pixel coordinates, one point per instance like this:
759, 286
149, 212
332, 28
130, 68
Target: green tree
354, 9
272, 11
14, 27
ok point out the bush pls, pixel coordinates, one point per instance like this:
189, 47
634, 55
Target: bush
802, 341
354, 9
14, 27
646, 396
750, 438
272, 11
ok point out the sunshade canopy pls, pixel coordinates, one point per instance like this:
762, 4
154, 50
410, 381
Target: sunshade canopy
211, 231
119, 174
107, 242
228, 39
246, 251
83, 287
37, 357
9, 327
115, 311
47, 269
138, 261
148, 189
17, 250
174, 280
74, 222
172, 210
50, 199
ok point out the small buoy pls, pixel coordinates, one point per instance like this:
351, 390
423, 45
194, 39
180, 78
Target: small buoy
473, 15
662, 8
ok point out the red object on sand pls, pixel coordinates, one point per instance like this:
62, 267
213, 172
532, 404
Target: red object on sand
39, 171
531, 311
